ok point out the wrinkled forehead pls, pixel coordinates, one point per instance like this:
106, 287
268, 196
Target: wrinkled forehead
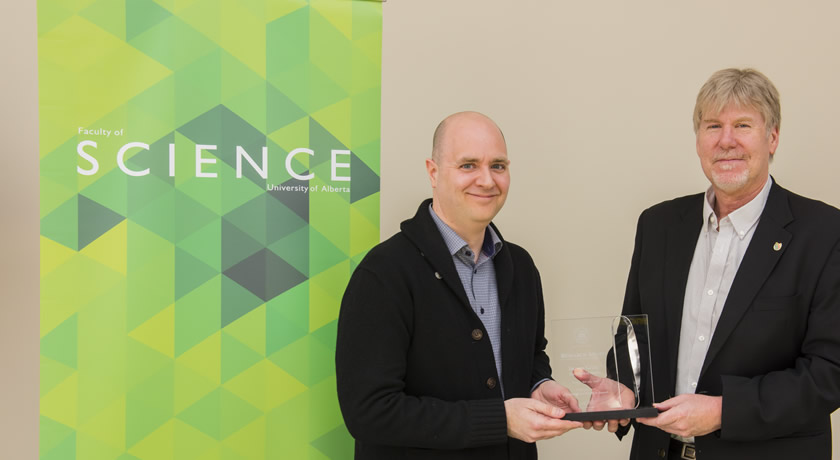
711, 109
714, 106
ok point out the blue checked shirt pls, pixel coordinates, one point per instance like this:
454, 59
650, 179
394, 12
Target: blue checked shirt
479, 281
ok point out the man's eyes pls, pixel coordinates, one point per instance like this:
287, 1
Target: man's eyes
737, 125
472, 166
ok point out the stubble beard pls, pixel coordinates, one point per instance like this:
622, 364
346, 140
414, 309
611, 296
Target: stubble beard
730, 181
723, 176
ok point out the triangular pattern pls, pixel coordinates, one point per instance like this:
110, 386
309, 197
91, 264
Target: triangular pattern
236, 357
141, 15
287, 318
265, 275
94, 220
60, 343
190, 273
148, 406
306, 360
62, 224
52, 374
335, 443
189, 312
250, 329
237, 300
109, 248
369, 179
107, 427
249, 442
102, 14
219, 414
54, 438
158, 333
265, 385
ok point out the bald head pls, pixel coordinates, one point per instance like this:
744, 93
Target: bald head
443, 131
469, 174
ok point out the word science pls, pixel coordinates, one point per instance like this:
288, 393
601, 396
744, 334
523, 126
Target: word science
339, 161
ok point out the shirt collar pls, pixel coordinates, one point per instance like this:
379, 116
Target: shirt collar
743, 218
490, 247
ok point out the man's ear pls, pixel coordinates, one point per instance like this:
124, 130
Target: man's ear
432, 169
774, 140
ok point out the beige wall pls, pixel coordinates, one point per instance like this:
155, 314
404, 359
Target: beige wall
595, 99
18, 232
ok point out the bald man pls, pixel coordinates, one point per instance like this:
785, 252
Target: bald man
441, 351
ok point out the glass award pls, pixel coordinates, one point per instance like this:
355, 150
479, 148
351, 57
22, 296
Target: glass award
605, 363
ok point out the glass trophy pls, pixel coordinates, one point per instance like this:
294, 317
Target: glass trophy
605, 364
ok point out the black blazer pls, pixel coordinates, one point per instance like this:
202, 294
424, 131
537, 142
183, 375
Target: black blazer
775, 353
415, 371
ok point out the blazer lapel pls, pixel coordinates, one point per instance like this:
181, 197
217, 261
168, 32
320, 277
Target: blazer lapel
679, 251
759, 260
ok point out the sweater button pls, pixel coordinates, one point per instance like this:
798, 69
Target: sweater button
477, 334
661, 453
437, 275
491, 383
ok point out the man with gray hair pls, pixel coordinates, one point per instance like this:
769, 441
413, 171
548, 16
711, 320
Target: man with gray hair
742, 288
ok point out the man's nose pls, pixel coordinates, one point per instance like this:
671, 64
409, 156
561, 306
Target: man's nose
485, 177
727, 138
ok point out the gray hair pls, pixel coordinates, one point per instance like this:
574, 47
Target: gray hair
743, 87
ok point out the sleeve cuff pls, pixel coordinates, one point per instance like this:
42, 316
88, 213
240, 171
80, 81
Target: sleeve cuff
534, 388
488, 423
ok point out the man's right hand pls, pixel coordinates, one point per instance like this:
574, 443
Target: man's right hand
607, 395
531, 420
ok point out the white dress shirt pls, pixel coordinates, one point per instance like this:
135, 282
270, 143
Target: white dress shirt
717, 255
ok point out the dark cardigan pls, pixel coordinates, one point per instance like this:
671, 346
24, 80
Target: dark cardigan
414, 367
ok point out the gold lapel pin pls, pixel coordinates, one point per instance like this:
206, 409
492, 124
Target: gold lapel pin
777, 246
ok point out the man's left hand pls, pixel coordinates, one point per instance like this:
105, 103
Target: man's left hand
551, 392
687, 415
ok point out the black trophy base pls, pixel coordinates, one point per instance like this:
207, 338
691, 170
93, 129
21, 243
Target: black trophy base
611, 414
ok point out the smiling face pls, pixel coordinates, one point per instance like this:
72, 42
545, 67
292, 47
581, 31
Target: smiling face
469, 176
734, 147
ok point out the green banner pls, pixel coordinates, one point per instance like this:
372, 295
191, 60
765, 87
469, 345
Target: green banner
209, 180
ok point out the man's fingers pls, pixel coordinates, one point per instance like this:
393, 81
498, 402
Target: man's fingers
586, 378
543, 426
548, 410
566, 398
532, 420
650, 421
554, 427
688, 415
669, 403
664, 419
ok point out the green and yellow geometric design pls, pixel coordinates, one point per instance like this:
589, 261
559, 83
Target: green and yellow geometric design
189, 290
